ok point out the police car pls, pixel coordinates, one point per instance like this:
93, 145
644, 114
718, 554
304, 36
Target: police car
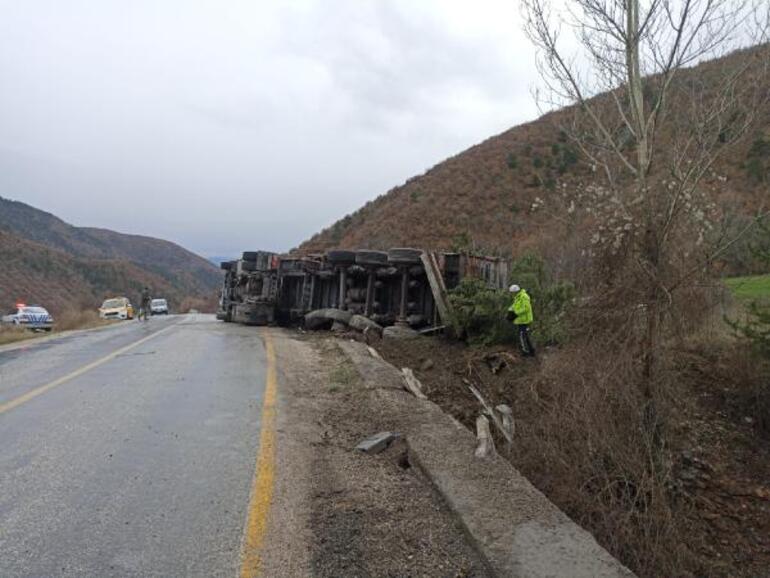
30, 317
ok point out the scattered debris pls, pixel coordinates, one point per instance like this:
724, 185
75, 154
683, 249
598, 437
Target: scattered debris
413, 384
485, 444
506, 413
489, 411
373, 352
431, 330
426, 364
361, 323
378, 442
399, 332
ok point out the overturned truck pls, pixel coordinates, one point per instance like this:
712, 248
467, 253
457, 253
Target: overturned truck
401, 286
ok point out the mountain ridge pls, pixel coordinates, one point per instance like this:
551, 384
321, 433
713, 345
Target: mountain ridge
482, 198
49, 260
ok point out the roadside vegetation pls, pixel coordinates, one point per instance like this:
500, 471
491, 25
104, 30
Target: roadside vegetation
66, 320
646, 419
480, 311
750, 287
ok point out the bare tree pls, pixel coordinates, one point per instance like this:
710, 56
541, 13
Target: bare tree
622, 73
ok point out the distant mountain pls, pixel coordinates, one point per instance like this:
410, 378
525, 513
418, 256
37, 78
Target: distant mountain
217, 260
47, 260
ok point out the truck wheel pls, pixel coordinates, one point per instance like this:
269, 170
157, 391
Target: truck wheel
225, 265
405, 256
250, 256
340, 257
371, 258
248, 266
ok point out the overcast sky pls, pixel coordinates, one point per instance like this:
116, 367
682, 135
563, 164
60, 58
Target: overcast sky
244, 124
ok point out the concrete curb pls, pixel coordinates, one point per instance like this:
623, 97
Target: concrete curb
512, 524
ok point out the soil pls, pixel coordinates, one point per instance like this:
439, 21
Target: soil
721, 460
369, 515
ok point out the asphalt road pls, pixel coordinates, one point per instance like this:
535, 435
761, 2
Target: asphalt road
129, 451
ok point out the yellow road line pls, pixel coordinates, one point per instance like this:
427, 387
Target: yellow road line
262, 486
9, 405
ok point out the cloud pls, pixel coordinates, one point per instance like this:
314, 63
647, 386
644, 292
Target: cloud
246, 123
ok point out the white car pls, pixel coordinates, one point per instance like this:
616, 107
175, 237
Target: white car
30, 317
158, 307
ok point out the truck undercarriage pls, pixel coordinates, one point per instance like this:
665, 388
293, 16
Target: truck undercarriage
401, 286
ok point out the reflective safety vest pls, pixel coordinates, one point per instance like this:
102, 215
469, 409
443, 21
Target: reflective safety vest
522, 307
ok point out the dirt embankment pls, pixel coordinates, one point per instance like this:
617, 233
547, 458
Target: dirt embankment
717, 489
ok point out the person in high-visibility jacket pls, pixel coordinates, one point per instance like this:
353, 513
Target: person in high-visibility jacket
520, 312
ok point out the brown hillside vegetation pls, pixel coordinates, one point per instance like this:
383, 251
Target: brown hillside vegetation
488, 196
51, 262
643, 416
34, 273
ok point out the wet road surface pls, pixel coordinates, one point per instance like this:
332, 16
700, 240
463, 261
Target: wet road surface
129, 451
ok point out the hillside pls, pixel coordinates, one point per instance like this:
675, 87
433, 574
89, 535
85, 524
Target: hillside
483, 197
47, 260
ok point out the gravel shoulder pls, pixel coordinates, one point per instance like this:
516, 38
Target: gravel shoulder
337, 511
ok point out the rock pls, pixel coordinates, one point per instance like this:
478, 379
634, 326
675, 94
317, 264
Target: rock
399, 332
361, 323
506, 413
378, 442
324, 318
412, 383
485, 445
337, 326
426, 364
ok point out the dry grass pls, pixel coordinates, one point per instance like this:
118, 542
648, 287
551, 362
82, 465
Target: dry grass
73, 319
65, 321
598, 452
10, 334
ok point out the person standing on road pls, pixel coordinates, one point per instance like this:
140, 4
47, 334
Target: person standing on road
144, 304
520, 312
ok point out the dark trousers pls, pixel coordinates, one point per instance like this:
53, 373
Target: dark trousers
525, 343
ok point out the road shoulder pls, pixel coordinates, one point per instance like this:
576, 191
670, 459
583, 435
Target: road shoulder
340, 512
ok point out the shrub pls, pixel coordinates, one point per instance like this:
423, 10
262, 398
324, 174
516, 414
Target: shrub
550, 299
756, 329
77, 319
481, 311
758, 160
512, 161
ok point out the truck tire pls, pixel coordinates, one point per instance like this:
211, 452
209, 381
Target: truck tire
250, 256
248, 266
340, 257
371, 258
226, 265
405, 256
